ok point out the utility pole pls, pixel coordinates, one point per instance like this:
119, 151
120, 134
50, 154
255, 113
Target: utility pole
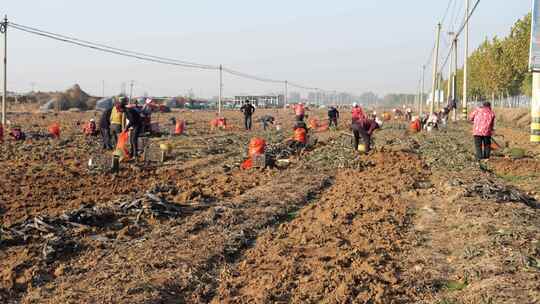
3, 29
454, 75
220, 89
534, 68
131, 84
285, 96
421, 106
450, 70
440, 90
465, 97
32, 85
103, 88
435, 64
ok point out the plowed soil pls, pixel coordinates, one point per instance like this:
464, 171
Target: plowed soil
346, 247
415, 221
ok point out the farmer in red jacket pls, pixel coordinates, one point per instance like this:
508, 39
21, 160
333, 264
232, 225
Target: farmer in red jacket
357, 112
483, 119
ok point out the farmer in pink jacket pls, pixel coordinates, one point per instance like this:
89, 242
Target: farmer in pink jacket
483, 119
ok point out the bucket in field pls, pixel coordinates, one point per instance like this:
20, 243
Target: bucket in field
54, 130
362, 148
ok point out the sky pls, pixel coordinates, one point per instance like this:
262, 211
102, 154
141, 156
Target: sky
344, 45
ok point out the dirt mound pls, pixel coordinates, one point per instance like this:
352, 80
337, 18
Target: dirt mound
343, 248
520, 118
72, 98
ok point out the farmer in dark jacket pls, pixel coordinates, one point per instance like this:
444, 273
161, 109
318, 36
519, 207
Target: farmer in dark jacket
248, 109
333, 116
105, 129
364, 128
136, 123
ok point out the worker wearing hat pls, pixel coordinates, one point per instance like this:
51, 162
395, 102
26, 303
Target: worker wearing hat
90, 129
357, 112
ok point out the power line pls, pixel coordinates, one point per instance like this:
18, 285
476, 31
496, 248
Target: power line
120, 53
112, 48
446, 11
140, 56
248, 76
460, 31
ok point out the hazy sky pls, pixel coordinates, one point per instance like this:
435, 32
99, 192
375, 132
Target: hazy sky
345, 45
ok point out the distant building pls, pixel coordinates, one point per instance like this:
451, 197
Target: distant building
294, 97
263, 101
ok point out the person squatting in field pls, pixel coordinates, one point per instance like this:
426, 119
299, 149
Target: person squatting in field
483, 119
248, 109
364, 128
90, 129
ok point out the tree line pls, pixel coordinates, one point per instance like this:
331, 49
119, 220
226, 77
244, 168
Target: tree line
499, 67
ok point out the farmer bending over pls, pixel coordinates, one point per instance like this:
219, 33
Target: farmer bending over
364, 128
267, 120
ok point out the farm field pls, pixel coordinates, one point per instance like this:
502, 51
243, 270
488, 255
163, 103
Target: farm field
417, 220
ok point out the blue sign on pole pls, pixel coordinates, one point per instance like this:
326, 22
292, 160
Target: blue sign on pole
534, 55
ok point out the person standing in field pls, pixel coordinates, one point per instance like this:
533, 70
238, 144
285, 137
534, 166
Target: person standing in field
333, 116
136, 123
483, 119
357, 112
105, 128
248, 109
299, 111
116, 119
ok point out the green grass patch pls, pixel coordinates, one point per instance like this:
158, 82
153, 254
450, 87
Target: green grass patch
517, 178
456, 285
292, 215
447, 301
